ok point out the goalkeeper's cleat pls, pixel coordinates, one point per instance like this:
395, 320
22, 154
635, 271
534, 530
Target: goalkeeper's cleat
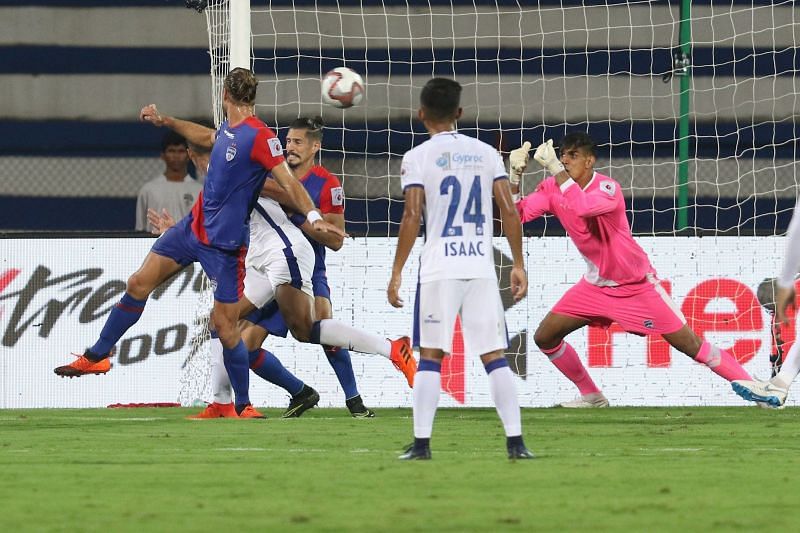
402, 357
301, 402
519, 451
215, 410
250, 412
587, 401
83, 366
358, 409
765, 405
761, 391
416, 453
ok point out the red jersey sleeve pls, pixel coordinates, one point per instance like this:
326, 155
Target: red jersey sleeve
331, 197
267, 149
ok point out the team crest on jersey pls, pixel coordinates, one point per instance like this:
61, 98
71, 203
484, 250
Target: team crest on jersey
337, 196
230, 153
608, 187
275, 147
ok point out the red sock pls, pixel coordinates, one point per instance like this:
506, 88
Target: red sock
566, 359
721, 362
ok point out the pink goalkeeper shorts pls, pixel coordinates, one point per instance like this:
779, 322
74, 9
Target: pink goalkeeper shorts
644, 308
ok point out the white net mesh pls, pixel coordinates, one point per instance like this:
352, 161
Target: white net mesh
195, 377
536, 72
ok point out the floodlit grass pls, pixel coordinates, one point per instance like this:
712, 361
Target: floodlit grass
627, 469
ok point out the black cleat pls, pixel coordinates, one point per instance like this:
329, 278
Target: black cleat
358, 409
301, 402
413, 453
519, 451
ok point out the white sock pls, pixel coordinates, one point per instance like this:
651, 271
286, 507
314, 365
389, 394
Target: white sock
427, 384
220, 383
504, 395
791, 367
335, 333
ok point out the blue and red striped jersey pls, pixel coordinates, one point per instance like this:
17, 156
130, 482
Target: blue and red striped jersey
326, 192
240, 160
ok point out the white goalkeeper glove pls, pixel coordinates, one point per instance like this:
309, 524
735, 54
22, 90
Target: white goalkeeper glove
518, 160
546, 156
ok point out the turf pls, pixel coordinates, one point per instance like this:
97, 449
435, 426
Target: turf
626, 469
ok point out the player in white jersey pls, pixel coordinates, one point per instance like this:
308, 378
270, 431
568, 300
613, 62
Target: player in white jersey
450, 180
775, 390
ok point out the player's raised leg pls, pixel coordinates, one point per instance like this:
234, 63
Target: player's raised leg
549, 337
298, 311
154, 270
339, 359
773, 391
332, 332
718, 360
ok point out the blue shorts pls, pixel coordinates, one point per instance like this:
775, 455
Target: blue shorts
270, 318
225, 268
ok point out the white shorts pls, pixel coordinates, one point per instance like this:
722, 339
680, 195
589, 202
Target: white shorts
483, 322
268, 268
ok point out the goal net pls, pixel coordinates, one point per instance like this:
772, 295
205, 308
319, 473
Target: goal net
694, 106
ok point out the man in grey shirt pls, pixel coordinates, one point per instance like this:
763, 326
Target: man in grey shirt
174, 190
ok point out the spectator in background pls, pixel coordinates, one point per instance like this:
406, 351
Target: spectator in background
175, 190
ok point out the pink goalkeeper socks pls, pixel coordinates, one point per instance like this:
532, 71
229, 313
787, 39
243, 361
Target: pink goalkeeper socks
566, 359
721, 362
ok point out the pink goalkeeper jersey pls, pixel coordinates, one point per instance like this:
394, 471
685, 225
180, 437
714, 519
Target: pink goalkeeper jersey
595, 220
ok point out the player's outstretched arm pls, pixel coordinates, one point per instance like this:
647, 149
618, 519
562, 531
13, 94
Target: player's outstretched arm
513, 230
406, 236
299, 200
159, 223
328, 239
193, 132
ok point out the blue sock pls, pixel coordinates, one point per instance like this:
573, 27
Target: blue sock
236, 364
339, 358
314, 336
125, 314
269, 367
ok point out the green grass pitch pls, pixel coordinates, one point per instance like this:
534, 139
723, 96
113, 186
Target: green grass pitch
619, 469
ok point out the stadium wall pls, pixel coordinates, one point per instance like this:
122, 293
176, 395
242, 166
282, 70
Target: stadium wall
55, 294
74, 77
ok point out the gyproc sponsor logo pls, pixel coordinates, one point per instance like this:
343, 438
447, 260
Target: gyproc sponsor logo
449, 161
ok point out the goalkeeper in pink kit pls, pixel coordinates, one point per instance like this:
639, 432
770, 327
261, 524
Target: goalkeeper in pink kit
620, 284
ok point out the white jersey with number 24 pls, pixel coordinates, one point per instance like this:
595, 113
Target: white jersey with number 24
457, 173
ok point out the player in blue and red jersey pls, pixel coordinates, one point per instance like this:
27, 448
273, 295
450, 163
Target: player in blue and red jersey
303, 143
216, 232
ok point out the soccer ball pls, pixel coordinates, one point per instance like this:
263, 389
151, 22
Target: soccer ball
342, 88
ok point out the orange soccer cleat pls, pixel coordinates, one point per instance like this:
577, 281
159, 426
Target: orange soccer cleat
402, 358
82, 366
215, 410
250, 412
